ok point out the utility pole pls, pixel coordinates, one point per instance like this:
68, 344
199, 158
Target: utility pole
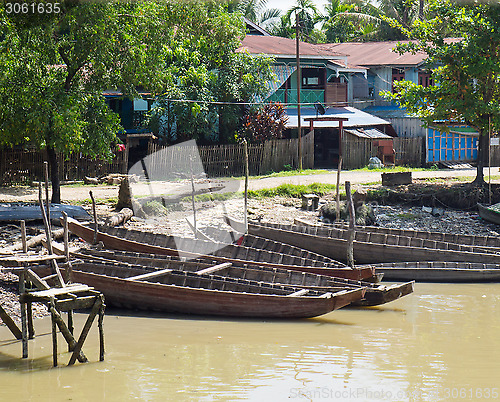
299, 128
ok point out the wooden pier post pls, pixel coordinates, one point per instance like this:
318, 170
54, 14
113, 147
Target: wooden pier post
24, 318
351, 233
85, 331
337, 216
101, 329
54, 333
69, 269
246, 183
94, 215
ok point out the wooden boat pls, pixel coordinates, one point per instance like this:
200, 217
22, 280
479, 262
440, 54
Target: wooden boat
133, 240
490, 214
167, 290
440, 271
457, 238
369, 249
376, 294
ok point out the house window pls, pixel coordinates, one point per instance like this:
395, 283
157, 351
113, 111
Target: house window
397, 75
424, 79
313, 78
310, 80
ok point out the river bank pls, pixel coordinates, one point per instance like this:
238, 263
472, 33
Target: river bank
404, 215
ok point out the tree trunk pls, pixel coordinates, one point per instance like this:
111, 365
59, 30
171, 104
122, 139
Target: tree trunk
482, 155
54, 175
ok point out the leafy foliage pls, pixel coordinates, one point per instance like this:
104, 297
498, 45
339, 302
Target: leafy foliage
467, 80
206, 76
265, 123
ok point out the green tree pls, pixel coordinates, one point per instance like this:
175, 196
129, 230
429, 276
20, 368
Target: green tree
308, 16
56, 67
467, 72
347, 20
256, 11
208, 78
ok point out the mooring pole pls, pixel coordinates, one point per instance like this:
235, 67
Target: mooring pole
299, 78
350, 239
339, 169
245, 144
95, 216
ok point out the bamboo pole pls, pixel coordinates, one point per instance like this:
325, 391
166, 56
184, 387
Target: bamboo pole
65, 235
489, 157
46, 174
299, 123
9, 322
101, 329
69, 270
48, 236
339, 169
22, 290
65, 331
94, 215
192, 196
85, 331
245, 144
54, 333
351, 233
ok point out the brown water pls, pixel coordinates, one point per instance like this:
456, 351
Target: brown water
441, 343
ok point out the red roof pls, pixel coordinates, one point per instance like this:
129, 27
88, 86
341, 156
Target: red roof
275, 45
378, 53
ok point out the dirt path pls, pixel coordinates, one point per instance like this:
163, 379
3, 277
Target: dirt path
79, 193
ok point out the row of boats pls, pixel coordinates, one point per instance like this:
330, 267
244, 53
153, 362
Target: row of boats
272, 271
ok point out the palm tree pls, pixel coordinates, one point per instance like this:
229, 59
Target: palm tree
404, 12
347, 20
256, 11
308, 15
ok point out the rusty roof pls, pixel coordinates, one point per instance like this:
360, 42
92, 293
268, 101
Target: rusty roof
371, 54
275, 45
377, 54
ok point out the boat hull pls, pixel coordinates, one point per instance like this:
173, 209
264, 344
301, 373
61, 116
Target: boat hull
170, 298
488, 214
117, 243
445, 272
364, 252
376, 294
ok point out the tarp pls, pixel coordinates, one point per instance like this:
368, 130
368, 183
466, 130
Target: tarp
18, 211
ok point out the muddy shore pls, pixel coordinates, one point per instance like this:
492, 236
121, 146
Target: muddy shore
407, 215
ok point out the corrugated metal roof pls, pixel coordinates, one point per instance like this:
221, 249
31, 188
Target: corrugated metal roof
343, 64
379, 53
388, 112
275, 45
356, 117
371, 133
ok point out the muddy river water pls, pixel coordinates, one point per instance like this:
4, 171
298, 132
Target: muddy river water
441, 343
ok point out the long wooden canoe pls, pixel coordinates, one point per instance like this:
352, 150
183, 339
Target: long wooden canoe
376, 294
228, 253
139, 287
439, 271
457, 238
390, 249
489, 213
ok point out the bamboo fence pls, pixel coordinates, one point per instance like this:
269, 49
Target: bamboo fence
23, 166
